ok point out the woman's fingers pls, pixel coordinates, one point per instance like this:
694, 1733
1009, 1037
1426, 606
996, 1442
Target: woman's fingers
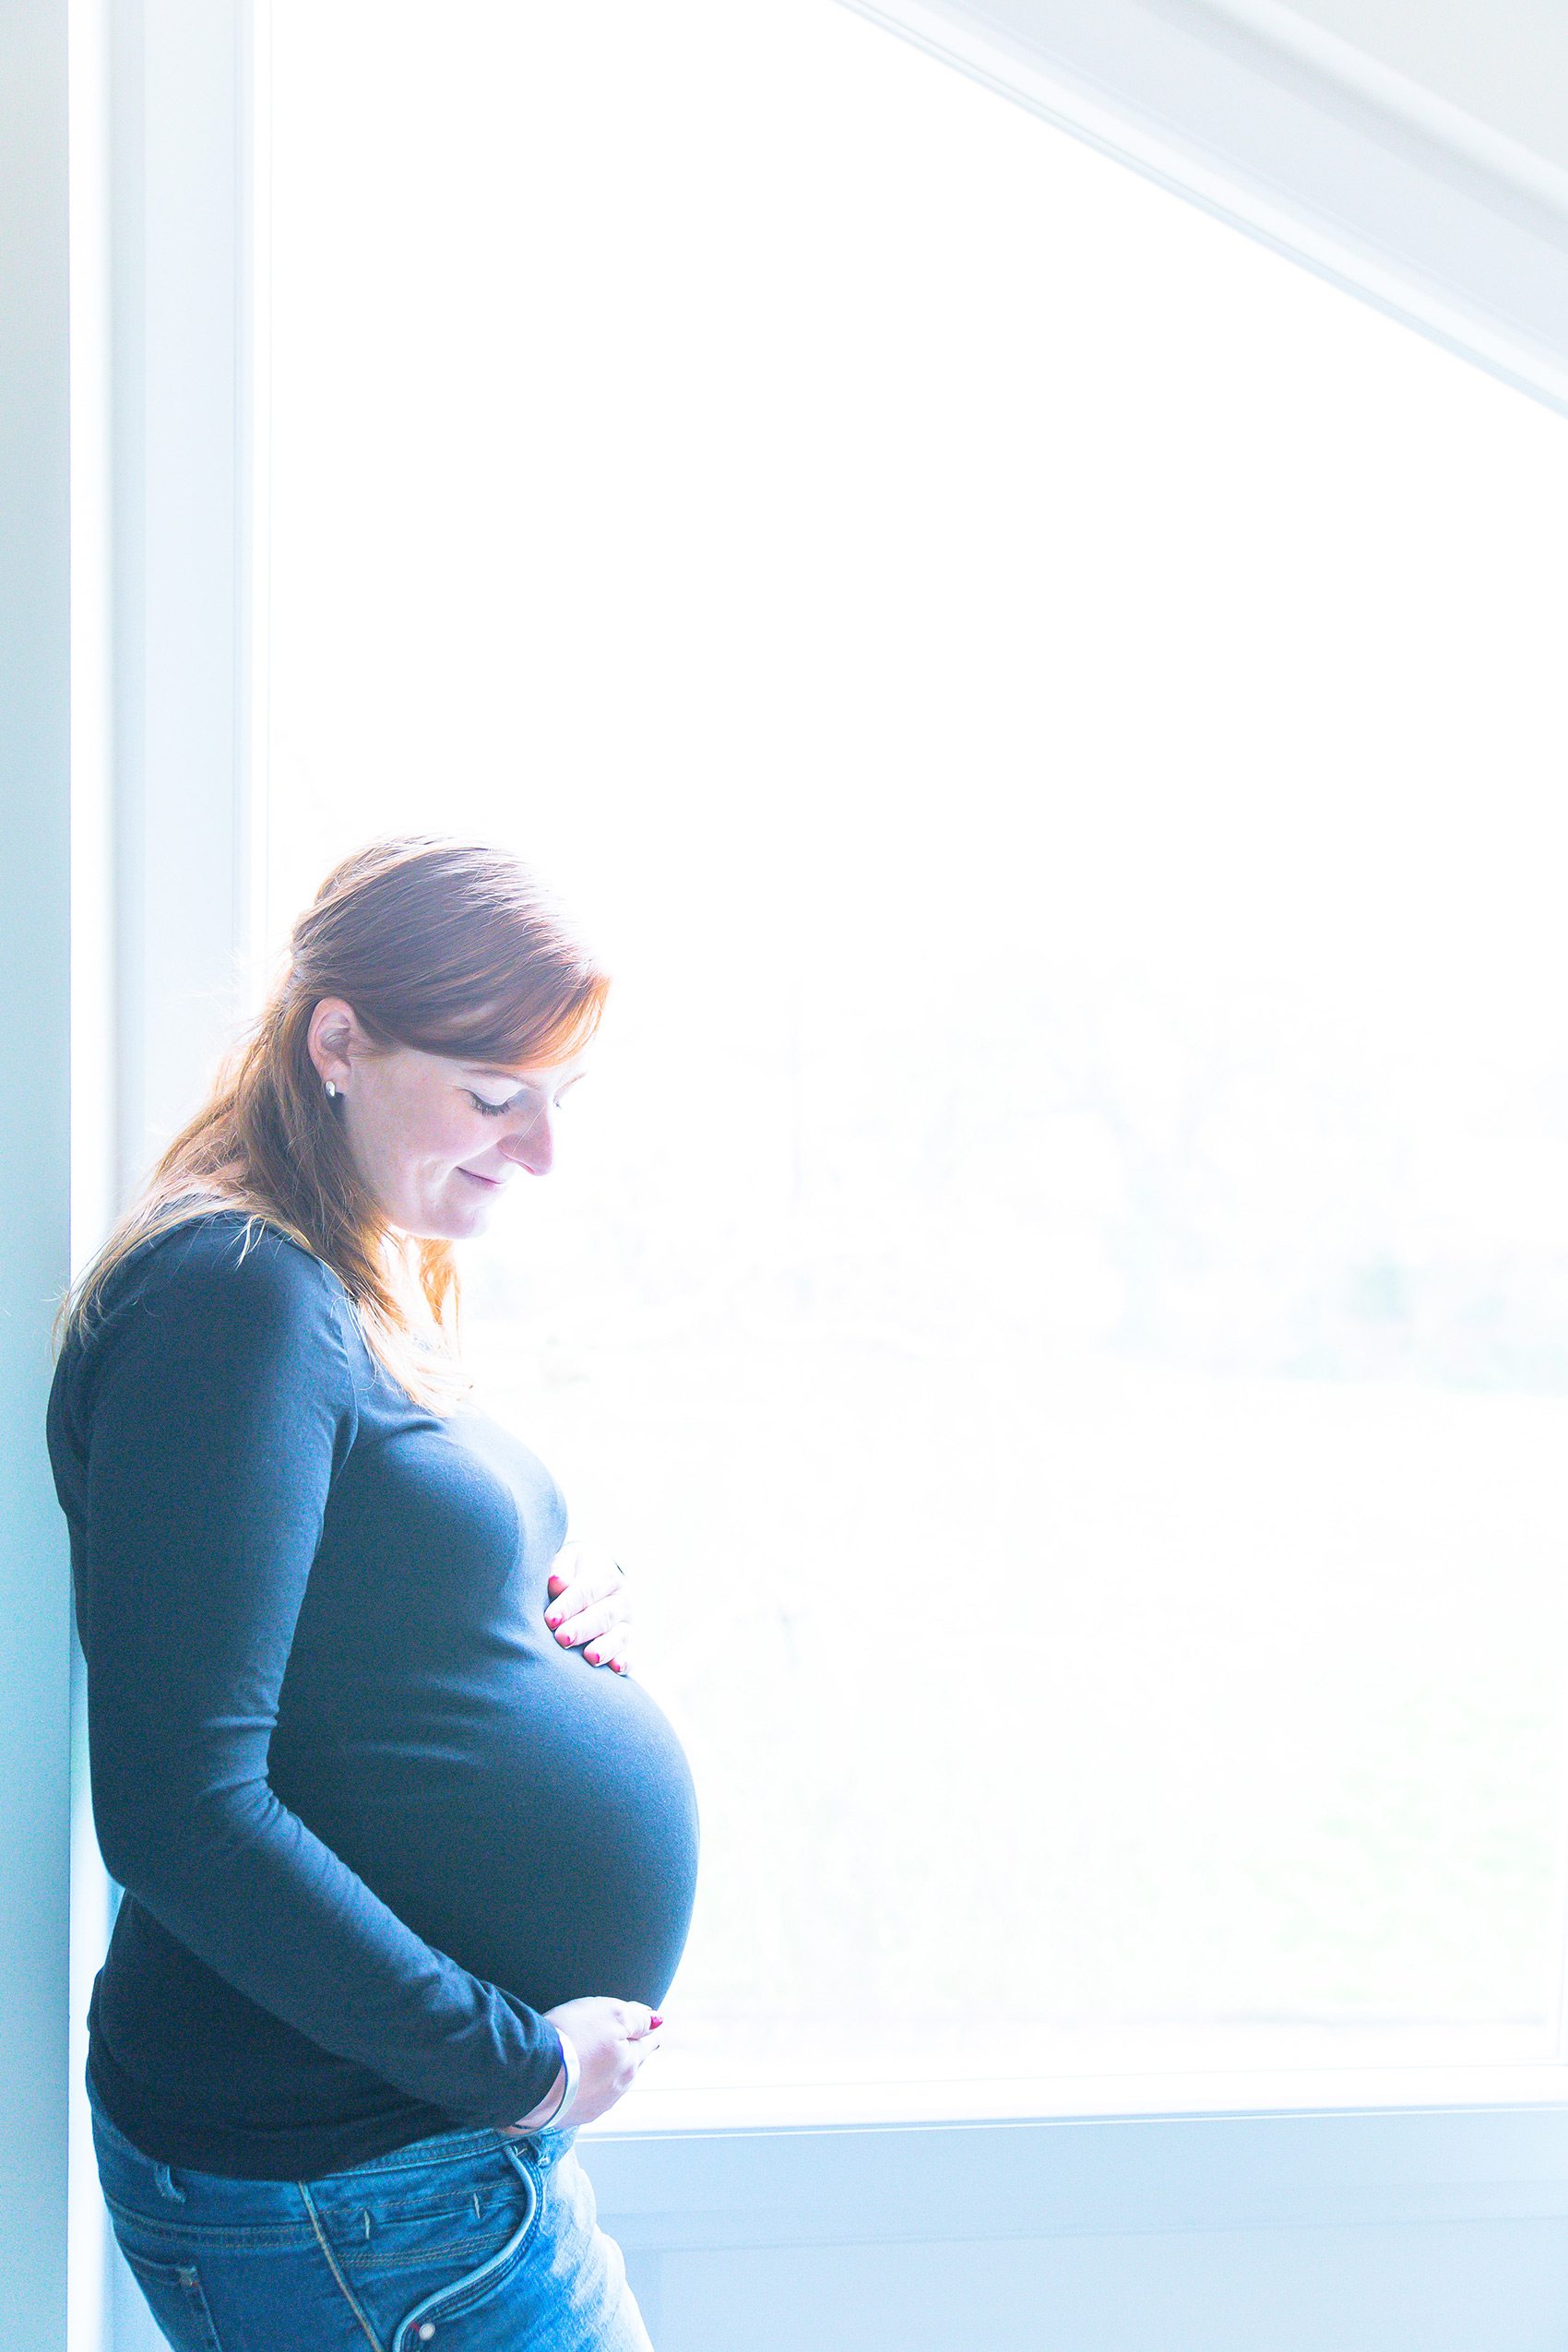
587, 1607
581, 1581
585, 1569
572, 1630
613, 1649
587, 1585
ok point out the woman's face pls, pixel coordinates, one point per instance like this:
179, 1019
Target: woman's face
437, 1141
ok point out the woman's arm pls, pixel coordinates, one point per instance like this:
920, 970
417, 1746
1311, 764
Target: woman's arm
220, 1409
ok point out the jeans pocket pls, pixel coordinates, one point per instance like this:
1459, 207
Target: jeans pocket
174, 2297
415, 2258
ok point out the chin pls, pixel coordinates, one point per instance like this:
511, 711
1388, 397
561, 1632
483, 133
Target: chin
466, 1214
446, 1224
457, 1225
458, 1211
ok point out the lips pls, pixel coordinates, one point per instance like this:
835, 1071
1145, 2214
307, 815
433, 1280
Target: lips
491, 1183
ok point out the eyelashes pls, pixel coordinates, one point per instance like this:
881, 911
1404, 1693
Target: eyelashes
499, 1109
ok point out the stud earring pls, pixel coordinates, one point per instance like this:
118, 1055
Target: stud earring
331, 1092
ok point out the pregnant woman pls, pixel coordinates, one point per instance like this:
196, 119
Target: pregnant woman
407, 1857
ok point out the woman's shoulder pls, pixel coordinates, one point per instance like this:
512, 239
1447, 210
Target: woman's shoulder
229, 1251
217, 1303
222, 1280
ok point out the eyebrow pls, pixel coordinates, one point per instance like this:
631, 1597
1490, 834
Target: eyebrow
495, 1070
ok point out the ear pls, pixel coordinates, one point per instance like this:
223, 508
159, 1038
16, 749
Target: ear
335, 1040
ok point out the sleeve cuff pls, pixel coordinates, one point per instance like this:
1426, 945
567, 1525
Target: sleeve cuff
572, 2065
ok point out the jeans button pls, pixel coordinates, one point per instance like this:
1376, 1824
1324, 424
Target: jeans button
427, 2329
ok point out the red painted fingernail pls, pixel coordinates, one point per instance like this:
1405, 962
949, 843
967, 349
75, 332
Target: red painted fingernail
552, 1621
566, 1638
655, 2021
592, 1657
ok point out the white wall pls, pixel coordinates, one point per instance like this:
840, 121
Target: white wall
34, 1163
1494, 2287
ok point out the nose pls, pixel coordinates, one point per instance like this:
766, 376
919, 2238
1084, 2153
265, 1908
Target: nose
533, 1143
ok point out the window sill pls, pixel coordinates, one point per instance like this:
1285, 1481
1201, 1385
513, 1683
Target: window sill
653, 2110
1075, 2156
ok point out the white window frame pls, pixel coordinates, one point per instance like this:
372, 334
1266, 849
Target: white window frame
1301, 140
995, 2160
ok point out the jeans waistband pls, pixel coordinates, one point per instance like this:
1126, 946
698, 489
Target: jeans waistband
442, 2148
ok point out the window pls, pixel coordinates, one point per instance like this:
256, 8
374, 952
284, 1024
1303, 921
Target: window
1059, 1289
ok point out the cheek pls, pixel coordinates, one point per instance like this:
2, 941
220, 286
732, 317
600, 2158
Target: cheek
454, 1138
426, 1133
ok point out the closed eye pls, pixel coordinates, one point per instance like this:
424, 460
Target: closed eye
513, 1102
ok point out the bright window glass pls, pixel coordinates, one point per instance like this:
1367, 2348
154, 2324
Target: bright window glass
1058, 1283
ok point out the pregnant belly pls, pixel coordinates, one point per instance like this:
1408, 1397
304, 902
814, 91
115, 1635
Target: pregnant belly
548, 1842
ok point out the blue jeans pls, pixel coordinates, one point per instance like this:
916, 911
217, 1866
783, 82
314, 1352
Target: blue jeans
473, 2241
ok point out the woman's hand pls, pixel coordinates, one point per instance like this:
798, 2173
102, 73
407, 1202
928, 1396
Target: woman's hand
612, 2039
587, 1607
